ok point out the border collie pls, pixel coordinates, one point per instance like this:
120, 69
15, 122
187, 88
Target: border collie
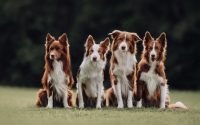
57, 78
122, 69
91, 74
152, 88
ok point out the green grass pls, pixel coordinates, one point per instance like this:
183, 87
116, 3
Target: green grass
17, 107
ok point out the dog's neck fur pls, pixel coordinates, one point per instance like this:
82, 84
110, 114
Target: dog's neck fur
57, 78
151, 78
91, 68
125, 62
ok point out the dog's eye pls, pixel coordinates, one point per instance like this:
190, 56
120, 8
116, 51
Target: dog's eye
51, 49
92, 50
57, 48
99, 51
151, 48
120, 39
156, 47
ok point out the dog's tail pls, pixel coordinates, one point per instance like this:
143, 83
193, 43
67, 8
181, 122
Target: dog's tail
177, 105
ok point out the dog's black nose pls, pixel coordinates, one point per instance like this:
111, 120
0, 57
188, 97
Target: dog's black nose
52, 56
123, 47
94, 58
153, 56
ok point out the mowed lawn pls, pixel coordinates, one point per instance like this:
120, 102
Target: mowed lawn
17, 107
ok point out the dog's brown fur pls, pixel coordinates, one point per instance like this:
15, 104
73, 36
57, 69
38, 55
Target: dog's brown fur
131, 40
60, 49
104, 47
144, 66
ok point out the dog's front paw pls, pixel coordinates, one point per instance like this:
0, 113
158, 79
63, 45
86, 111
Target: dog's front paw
49, 106
81, 105
130, 105
120, 105
98, 106
67, 106
162, 106
139, 104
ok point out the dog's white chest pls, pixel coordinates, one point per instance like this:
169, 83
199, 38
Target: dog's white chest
151, 79
58, 78
91, 74
125, 63
125, 66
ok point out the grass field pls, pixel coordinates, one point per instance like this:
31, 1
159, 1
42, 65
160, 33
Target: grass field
17, 107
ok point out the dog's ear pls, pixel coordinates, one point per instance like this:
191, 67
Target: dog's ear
147, 38
49, 39
63, 39
89, 42
136, 37
105, 44
114, 34
162, 39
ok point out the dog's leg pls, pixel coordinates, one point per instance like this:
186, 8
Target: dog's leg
107, 101
107, 96
139, 103
80, 95
99, 95
65, 99
130, 91
139, 94
50, 99
119, 95
130, 99
163, 90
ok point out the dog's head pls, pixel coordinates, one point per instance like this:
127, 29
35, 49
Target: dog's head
96, 52
56, 49
154, 49
124, 41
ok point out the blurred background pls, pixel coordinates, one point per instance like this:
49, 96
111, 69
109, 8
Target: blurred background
25, 23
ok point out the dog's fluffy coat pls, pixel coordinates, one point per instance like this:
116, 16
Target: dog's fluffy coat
122, 69
91, 73
57, 78
152, 88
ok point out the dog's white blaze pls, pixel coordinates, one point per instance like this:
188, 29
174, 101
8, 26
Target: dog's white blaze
91, 74
153, 51
123, 44
58, 79
95, 53
151, 79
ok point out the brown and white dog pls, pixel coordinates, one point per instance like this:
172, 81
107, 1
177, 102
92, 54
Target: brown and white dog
152, 88
122, 68
91, 73
57, 78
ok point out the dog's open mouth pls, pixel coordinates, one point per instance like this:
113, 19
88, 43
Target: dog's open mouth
153, 59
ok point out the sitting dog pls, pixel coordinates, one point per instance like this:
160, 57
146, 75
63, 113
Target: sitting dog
152, 88
91, 73
122, 69
57, 78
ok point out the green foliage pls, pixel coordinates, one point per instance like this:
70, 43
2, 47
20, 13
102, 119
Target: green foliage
25, 23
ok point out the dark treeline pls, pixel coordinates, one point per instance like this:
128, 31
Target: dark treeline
25, 23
